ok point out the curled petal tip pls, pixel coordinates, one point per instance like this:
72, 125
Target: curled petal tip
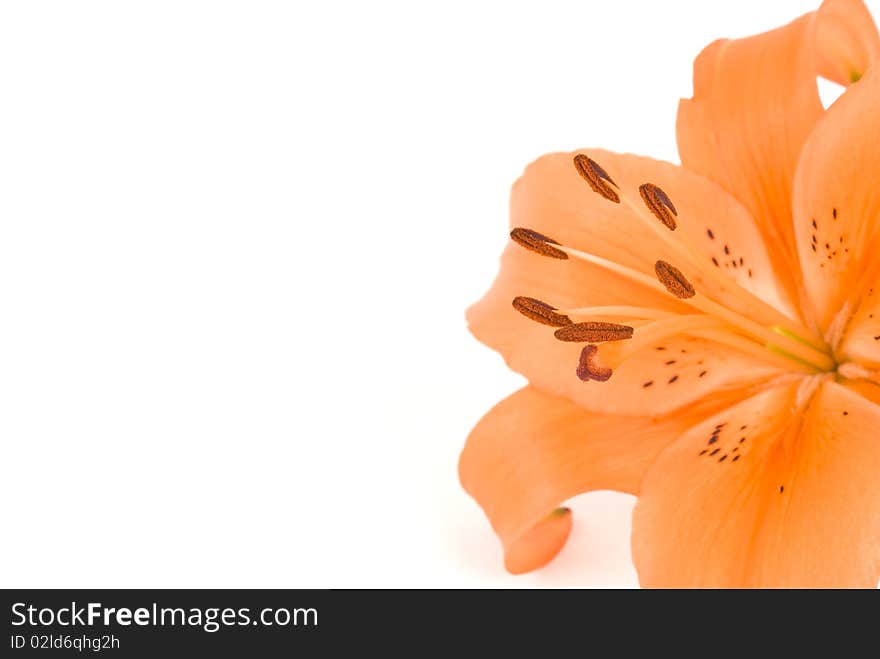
540, 544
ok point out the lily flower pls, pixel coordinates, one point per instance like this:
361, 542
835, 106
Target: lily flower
704, 336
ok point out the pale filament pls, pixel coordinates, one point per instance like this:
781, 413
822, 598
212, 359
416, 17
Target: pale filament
618, 312
766, 337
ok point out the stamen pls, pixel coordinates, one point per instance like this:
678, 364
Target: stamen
772, 340
540, 312
594, 332
819, 360
675, 282
588, 369
537, 242
725, 337
597, 177
659, 203
612, 266
682, 247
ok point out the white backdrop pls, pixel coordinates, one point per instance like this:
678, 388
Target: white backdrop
238, 239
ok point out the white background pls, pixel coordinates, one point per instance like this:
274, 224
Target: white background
237, 240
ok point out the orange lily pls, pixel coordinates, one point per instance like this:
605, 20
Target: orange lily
704, 336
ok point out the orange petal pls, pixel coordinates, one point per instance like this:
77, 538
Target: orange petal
755, 102
837, 206
794, 504
552, 199
534, 450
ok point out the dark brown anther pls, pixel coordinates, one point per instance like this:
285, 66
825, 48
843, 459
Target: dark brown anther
594, 332
596, 177
659, 203
588, 369
540, 312
675, 282
537, 242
